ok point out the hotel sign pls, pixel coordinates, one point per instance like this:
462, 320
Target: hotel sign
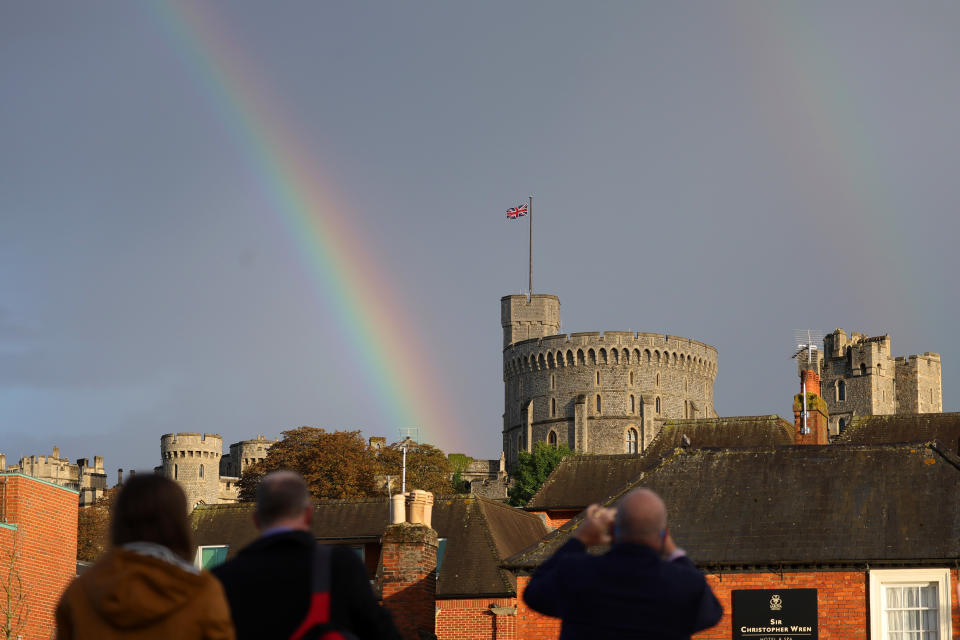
775, 614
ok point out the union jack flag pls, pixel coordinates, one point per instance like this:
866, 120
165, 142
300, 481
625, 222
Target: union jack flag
517, 212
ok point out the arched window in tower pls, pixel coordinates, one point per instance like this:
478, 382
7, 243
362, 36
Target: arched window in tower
658, 405
552, 438
553, 381
201, 470
841, 391
631, 440
599, 406
658, 379
553, 407
631, 378
580, 359
598, 378
633, 404
841, 425
863, 369
176, 472
878, 368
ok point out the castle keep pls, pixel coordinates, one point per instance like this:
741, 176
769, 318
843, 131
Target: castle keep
595, 392
860, 377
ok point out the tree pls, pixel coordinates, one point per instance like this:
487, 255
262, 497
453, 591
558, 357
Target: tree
427, 467
335, 464
93, 527
459, 463
532, 470
14, 610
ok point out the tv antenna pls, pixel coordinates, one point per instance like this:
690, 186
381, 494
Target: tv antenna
407, 435
806, 341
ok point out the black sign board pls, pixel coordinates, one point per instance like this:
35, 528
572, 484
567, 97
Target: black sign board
775, 614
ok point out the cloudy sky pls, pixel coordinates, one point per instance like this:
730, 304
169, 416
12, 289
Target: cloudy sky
242, 217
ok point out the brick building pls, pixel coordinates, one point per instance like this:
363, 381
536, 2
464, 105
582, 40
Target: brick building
451, 567
38, 553
861, 524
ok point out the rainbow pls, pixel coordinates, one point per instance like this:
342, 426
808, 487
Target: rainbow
821, 125
333, 253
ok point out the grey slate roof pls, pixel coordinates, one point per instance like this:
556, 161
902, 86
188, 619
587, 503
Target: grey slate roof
922, 427
832, 505
480, 534
583, 479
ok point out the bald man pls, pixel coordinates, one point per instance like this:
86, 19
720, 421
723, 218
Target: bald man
644, 587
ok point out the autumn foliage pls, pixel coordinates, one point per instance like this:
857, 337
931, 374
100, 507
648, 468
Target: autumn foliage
93, 527
339, 464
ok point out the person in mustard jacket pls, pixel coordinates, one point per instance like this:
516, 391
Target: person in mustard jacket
145, 587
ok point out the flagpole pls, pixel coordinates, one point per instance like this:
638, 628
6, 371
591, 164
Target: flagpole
530, 215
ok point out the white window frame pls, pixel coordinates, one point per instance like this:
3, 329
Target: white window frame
200, 548
883, 577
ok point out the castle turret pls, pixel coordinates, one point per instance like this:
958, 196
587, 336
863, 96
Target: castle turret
193, 460
523, 319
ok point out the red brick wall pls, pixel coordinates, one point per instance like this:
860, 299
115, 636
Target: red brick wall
45, 517
474, 619
408, 578
530, 624
842, 603
841, 600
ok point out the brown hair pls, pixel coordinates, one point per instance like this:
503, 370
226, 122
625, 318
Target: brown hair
152, 508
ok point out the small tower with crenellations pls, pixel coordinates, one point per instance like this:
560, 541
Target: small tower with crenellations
193, 460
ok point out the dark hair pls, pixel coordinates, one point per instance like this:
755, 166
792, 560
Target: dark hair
280, 495
152, 508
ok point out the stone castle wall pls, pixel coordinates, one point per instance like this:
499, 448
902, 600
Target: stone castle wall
89, 480
243, 454
860, 377
589, 390
193, 460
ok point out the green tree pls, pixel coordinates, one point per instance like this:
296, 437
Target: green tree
336, 464
427, 467
459, 463
532, 470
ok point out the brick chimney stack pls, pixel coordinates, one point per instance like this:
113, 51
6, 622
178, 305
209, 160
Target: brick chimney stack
408, 575
817, 413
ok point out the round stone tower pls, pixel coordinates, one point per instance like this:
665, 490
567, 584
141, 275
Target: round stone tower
193, 460
595, 392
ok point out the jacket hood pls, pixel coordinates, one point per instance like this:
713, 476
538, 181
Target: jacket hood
129, 590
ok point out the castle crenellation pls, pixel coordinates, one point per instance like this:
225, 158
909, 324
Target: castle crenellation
89, 480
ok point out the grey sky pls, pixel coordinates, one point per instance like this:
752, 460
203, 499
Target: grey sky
724, 171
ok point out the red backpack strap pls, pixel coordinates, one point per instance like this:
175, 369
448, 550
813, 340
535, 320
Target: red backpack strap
319, 611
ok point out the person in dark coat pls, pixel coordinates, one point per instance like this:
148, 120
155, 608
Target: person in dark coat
644, 587
268, 583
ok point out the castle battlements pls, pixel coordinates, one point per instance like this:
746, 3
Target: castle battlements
860, 377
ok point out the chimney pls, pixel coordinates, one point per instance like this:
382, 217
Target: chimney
408, 563
119, 477
817, 413
3, 462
